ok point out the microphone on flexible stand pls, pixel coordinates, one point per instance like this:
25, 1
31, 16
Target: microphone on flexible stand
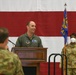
11, 42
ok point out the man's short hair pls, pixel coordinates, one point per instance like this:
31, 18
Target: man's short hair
28, 23
3, 34
73, 35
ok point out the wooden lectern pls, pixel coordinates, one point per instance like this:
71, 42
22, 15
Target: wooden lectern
31, 57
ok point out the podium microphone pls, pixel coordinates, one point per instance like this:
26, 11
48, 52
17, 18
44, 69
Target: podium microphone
11, 42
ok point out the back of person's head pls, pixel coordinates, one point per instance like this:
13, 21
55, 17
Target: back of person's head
73, 35
3, 34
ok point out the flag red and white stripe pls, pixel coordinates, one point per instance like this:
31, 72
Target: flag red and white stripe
48, 15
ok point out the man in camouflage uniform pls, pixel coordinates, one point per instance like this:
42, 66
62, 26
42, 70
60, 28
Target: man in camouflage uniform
70, 51
10, 63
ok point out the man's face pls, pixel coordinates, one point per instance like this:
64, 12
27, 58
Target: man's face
73, 39
31, 27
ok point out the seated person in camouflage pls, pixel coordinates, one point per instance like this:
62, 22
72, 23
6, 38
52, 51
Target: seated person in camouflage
29, 39
70, 51
10, 63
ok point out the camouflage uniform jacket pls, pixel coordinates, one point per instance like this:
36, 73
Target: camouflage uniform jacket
10, 63
70, 51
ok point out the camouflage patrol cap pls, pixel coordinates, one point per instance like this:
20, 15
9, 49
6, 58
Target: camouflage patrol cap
73, 35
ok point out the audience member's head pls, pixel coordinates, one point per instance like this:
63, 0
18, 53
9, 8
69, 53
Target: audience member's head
73, 38
3, 34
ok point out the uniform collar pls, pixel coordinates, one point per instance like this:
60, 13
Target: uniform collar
73, 45
28, 36
2, 48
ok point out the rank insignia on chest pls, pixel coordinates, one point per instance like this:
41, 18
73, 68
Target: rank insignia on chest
27, 42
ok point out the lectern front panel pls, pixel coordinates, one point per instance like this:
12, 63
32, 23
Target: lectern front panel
31, 57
